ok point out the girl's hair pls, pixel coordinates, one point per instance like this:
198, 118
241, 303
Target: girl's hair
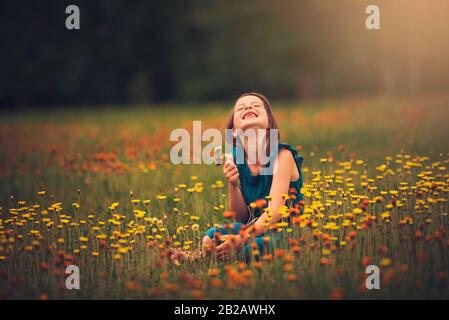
272, 124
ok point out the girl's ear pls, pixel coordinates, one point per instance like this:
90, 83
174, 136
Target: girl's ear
234, 133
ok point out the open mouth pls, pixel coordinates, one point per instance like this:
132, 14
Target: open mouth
249, 115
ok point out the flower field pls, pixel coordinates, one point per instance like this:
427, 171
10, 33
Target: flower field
96, 189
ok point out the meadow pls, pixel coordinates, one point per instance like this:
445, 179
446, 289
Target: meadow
96, 188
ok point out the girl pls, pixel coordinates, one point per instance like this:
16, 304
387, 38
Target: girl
254, 230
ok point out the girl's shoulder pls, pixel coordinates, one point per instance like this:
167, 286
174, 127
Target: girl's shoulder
298, 158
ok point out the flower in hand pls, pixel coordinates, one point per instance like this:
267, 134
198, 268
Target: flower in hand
230, 247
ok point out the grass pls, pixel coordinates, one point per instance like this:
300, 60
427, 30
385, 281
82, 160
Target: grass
376, 191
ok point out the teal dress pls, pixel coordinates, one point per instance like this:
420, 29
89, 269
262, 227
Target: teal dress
258, 187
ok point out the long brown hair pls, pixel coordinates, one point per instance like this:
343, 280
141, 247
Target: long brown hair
272, 124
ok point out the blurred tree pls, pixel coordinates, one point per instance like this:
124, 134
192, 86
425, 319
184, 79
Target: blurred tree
145, 51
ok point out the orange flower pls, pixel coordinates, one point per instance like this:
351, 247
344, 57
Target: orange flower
213, 272
418, 234
292, 277
133, 286
324, 261
267, 257
43, 296
228, 214
337, 294
279, 253
215, 282
352, 234
247, 273
288, 267
44, 266
260, 203
383, 249
289, 257
198, 294
297, 220
366, 261
296, 250
172, 287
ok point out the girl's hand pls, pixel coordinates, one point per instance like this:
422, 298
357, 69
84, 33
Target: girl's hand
231, 172
228, 249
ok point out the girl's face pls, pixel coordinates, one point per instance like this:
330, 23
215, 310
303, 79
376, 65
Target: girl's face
249, 112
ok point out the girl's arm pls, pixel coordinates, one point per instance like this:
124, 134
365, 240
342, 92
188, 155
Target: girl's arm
280, 185
236, 201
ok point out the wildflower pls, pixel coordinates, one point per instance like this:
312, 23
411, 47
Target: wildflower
228, 214
366, 261
133, 286
114, 206
292, 277
337, 294
215, 282
385, 262
139, 213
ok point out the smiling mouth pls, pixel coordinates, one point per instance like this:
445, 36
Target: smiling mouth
249, 115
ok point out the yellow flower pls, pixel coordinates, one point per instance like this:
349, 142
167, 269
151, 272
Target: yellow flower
385, 262
113, 206
139, 213
123, 250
